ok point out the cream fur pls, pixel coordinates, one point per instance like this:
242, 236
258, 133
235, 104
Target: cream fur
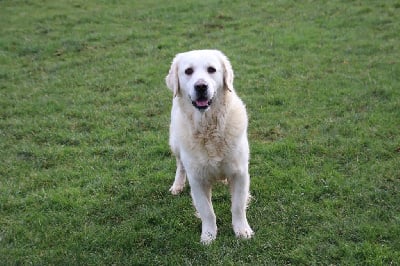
209, 145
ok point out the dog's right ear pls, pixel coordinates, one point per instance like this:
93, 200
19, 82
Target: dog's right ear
172, 78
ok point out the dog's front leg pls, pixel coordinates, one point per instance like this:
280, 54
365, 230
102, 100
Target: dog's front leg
239, 185
201, 194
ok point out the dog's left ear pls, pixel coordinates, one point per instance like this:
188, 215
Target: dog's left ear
172, 79
228, 72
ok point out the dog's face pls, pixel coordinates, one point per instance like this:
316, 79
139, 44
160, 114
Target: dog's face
200, 75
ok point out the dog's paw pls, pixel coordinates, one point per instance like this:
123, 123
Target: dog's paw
176, 189
207, 238
243, 231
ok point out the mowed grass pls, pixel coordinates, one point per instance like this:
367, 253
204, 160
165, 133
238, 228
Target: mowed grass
85, 165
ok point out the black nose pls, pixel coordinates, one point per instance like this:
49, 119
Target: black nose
200, 87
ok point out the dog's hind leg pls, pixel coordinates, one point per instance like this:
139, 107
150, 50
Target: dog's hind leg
180, 178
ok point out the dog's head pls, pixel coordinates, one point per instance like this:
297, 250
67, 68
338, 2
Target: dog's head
200, 75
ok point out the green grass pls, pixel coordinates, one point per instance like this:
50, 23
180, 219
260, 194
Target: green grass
85, 165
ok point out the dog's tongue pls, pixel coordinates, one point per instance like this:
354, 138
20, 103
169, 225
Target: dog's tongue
202, 103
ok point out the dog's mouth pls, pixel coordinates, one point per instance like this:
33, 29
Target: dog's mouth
202, 103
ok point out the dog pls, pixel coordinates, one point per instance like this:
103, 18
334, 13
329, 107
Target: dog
208, 136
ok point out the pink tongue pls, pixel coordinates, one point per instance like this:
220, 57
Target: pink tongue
202, 103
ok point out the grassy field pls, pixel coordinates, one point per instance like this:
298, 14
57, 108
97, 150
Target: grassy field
85, 165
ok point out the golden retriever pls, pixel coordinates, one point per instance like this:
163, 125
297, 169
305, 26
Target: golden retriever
208, 135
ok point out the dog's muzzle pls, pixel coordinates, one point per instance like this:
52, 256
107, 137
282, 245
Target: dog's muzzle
203, 100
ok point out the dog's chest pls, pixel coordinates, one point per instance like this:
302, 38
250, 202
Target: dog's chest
211, 140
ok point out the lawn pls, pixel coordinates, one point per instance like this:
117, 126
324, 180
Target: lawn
85, 165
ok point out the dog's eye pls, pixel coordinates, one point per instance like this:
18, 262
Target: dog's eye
211, 70
189, 71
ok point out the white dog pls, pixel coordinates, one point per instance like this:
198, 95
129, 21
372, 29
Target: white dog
208, 135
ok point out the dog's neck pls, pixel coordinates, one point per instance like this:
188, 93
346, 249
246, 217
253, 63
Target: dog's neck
212, 119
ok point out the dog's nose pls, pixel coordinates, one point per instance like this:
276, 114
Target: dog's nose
200, 86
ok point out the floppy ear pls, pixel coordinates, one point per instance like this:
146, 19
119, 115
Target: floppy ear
172, 79
228, 72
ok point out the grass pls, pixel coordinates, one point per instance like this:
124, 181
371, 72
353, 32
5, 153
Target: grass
85, 165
